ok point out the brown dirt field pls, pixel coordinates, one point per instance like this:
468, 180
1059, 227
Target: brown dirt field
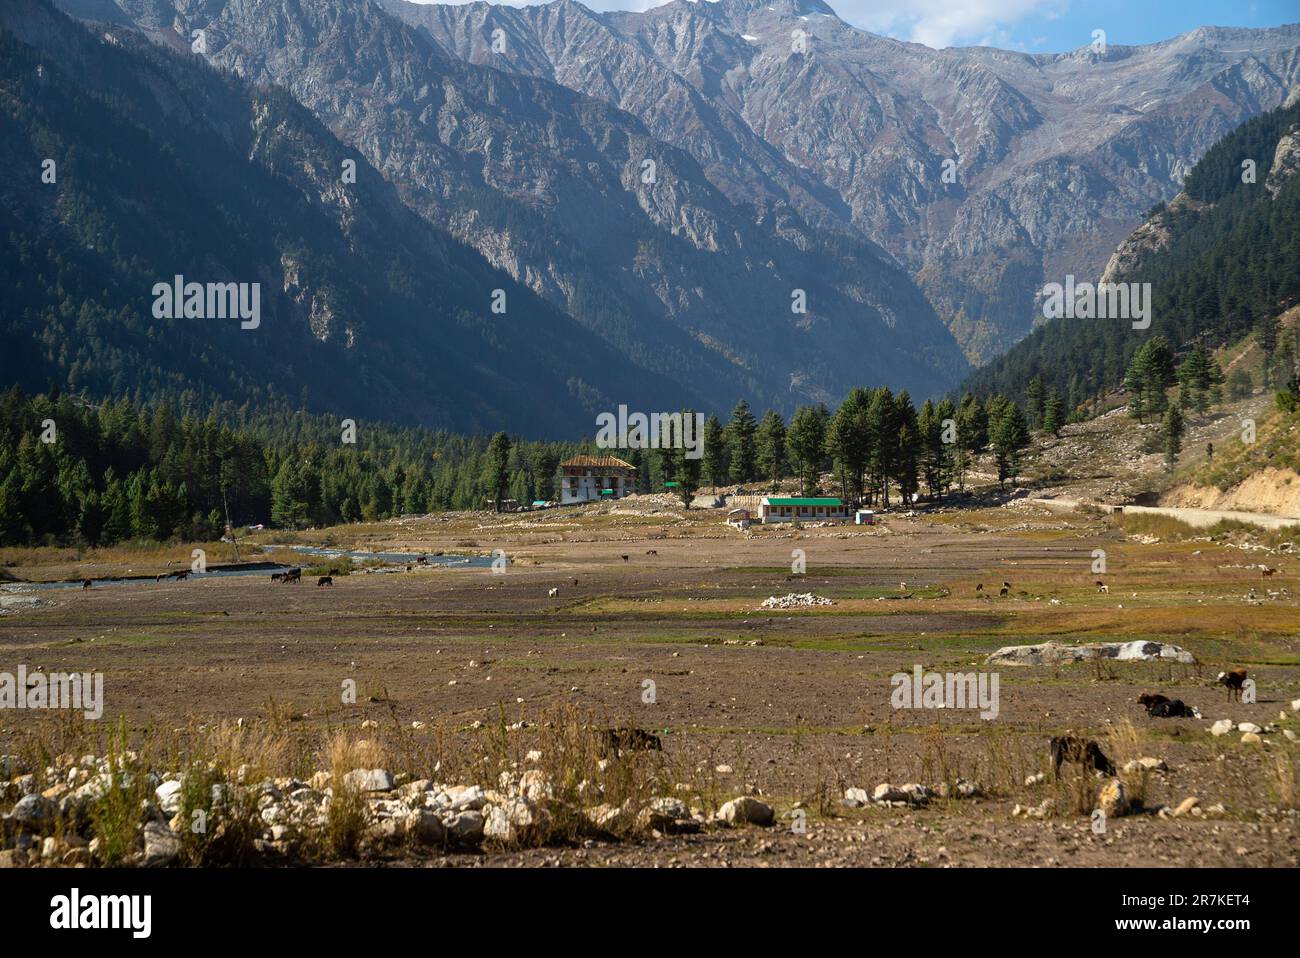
798, 717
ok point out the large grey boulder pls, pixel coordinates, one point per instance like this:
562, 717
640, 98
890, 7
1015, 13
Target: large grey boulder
1056, 653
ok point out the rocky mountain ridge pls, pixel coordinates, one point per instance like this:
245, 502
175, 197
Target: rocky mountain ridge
1051, 160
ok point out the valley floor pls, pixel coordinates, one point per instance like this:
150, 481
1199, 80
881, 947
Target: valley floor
791, 705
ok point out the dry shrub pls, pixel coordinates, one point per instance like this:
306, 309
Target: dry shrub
262, 749
1126, 745
348, 813
345, 751
1284, 782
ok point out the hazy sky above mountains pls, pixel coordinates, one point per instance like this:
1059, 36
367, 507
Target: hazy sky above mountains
1034, 26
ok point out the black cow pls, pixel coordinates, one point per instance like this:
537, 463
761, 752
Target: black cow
616, 740
1085, 752
1174, 708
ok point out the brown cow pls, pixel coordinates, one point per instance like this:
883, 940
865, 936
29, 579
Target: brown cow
324, 580
1233, 681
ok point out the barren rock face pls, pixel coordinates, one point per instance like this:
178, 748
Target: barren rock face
1053, 158
657, 233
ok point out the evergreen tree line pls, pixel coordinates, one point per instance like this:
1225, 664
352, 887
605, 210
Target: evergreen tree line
875, 444
120, 471
75, 472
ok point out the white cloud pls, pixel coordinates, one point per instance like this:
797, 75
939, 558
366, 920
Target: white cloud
943, 23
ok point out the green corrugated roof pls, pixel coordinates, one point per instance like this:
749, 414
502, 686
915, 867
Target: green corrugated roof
803, 502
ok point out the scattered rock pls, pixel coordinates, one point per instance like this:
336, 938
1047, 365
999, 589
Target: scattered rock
1146, 763
746, 810
169, 796
465, 827
161, 845
960, 789
910, 794
33, 811
795, 600
603, 816
1186, 805
1041, 810
464, 797
369, 779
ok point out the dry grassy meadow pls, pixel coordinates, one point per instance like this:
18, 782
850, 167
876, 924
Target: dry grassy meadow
462, 674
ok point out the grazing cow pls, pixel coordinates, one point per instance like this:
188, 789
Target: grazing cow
1103, 587
652, 552
293, 575
324, 580
1149, 700
423, 560
615, 740
85, 583
1162, 706
181, 576
624, 558
1233, 681
553, 593
1174, 708
277, 576
1085, 752
1265, 572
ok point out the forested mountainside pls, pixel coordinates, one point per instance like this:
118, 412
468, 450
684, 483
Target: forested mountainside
578, 200
1222, 258
160, 165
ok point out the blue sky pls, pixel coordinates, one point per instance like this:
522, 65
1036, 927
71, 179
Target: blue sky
1055, 26
1037, 26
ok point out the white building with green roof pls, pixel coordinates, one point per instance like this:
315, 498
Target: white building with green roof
781, 509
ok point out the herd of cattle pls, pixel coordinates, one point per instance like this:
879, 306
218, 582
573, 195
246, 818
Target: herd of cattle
289, 575
1085, 752
295, 575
